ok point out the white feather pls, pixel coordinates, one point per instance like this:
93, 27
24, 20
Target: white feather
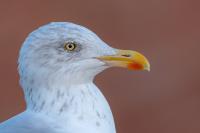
58, 85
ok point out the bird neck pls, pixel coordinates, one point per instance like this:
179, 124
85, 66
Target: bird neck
83, 103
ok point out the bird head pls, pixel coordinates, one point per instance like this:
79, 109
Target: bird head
62, 52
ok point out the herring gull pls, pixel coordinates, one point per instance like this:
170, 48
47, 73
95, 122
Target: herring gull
57, 65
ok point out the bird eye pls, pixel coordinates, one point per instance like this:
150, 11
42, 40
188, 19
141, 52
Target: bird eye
70, 46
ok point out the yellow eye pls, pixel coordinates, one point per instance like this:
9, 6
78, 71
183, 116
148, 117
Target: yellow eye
70, 46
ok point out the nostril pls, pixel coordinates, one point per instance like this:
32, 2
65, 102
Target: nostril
126, 55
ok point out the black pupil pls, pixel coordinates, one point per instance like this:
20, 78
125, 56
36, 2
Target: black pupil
70, 46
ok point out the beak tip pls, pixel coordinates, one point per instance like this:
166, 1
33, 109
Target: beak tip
147, 67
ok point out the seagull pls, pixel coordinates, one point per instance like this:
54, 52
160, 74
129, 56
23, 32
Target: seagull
57, 65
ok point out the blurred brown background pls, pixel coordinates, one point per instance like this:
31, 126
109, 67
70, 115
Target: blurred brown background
166, 100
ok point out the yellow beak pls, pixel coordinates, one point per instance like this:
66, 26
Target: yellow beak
128, 59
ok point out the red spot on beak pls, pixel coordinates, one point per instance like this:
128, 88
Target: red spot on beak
135, 66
